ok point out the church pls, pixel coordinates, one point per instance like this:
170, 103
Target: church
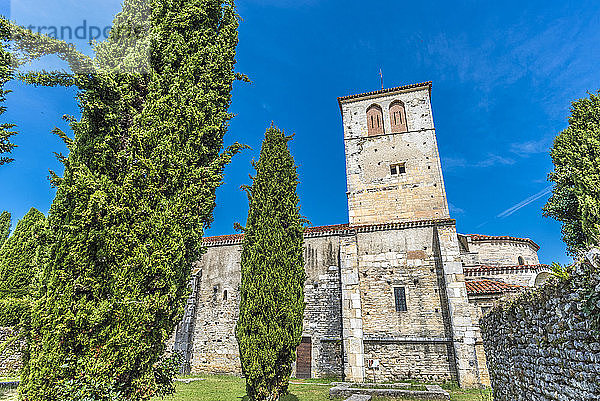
394, 294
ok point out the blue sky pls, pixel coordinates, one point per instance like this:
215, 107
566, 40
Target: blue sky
503, 74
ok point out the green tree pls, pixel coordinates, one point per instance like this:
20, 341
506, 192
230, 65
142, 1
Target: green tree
269, 328
575, 200
138, 188
18, 256
6, 74
18, 267
4, 226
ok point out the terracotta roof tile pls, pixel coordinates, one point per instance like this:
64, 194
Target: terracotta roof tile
383, 91
221, 238
477, 287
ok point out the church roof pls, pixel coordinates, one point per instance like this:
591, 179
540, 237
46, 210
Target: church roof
480, 287
481, 237
308, 230
384, 91
335, 228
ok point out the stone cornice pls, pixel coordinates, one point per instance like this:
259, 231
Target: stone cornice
484, 270
338, 229
405, 339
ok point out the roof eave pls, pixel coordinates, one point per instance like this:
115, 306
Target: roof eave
367, 95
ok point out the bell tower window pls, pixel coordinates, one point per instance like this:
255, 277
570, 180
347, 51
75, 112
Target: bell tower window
397, 169
398, 117
375, 120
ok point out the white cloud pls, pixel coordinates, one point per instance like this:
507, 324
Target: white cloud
455, 163
494, 160
455, 209
525, 202
525, 149
281, 3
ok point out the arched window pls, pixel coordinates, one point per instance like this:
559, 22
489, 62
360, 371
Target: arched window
398, 117
375, 120
521, 261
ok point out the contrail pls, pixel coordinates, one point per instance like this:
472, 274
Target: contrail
524, 203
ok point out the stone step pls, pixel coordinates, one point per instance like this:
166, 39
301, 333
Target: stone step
359, 397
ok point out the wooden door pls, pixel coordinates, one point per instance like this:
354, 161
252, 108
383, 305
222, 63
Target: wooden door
303, 359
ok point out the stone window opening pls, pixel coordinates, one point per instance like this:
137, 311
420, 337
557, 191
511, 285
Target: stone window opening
398, 168
225, 295
375, 120
521, 261
400, 299
398, 117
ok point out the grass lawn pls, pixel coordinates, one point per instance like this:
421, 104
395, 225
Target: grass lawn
226, 388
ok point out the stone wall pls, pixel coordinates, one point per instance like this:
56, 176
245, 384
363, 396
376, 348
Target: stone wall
214, 346
322, 294
351, 276
504, 252
406, 359
541, 346
434, 338
10, 359
400, 258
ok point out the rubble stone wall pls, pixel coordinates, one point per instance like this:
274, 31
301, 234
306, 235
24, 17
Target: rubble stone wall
10, 359
541, 346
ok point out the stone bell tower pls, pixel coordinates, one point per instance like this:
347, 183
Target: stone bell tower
402, 245
392, 162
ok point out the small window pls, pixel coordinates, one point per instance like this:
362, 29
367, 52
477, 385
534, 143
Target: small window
521, 261
400, 298
225, 295
398, 168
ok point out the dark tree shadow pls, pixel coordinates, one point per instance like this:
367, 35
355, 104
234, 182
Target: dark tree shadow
288, 397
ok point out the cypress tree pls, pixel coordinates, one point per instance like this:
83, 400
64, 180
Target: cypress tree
269, 328
6, 74
18, 256
138, 188
4, 226
18, 268
575, 200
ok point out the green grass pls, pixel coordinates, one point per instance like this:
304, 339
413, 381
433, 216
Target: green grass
227, 388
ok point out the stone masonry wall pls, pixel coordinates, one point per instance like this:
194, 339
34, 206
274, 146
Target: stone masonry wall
423, 361
400, 258
434, 339
10, 359
504, 253
322, 294
214, 346
541, 345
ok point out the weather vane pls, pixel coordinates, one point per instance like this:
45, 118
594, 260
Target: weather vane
381, 75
